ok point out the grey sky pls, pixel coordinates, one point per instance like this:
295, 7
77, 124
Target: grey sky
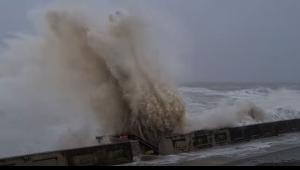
232, 40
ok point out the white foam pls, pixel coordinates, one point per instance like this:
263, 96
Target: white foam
224, 110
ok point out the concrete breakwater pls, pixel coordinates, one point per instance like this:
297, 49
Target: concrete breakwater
209, 138
103, 155
123, 150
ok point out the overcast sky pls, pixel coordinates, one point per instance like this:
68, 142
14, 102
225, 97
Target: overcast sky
232, 40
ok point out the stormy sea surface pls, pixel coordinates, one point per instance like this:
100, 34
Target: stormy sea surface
210, 101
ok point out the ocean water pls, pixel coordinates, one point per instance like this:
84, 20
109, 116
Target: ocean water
207, 103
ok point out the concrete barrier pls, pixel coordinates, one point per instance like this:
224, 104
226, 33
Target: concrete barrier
103, 155
124, 151
209, 138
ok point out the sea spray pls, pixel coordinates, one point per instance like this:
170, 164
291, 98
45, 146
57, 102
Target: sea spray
107, 70
156, 108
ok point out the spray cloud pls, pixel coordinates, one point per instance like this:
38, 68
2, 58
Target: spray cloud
83, 76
